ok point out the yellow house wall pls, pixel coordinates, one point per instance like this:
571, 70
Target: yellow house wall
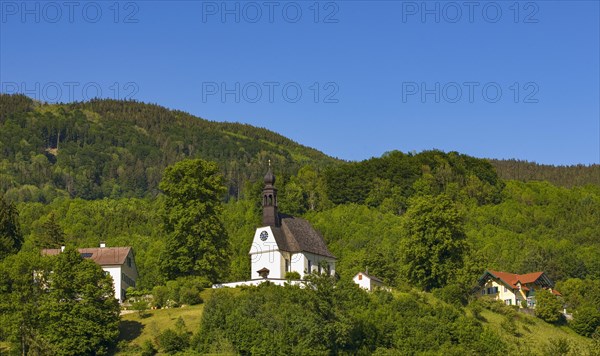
504, 293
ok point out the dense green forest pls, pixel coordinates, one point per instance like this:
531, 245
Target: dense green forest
78, 174
112, 149
565, 176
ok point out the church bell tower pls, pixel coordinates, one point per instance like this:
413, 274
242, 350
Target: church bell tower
270, 215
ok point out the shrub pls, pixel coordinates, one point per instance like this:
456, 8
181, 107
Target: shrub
451, 294
558, 346
476, 309
148, 348
509, 325
189, 295
183, 290
585, 321
292, 275
548, 307
141, 306
171, 341
160, 295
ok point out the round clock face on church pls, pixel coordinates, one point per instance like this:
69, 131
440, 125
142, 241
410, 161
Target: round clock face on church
264, 235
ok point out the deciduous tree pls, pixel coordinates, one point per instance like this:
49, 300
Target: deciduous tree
80, 313
196, 239
434, 244
548, 306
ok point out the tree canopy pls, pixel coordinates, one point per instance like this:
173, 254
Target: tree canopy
435, 243
61, 305
196, 238
11, 238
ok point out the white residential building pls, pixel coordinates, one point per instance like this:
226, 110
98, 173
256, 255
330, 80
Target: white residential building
368, 282
119, 262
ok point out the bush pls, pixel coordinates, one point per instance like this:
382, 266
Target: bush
558, 346
548, 307
585, 321
148, 348
451, 294
509, 325
292, 275
160, 295
476, 309
497, 307
171, 341
141, 306
183, 290
189, 295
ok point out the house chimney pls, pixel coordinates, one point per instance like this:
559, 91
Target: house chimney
102, 244
62, 248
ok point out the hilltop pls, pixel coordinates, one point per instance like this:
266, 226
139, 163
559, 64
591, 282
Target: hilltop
109, 148
112, 149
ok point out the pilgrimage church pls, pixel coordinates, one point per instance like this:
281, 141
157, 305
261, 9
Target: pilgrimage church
284, 244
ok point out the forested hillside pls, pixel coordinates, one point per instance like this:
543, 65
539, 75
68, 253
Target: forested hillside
565, 176
426, 223
108, 148
113, 149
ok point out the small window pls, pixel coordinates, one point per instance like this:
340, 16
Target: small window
508, 301
505, 289
128, 261
360, 277
309, 266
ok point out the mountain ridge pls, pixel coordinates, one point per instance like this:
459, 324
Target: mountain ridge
113, 148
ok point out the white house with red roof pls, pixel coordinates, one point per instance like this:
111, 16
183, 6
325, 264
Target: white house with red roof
119, 262
512, 288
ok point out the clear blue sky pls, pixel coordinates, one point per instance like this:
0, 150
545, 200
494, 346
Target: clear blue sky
406, 75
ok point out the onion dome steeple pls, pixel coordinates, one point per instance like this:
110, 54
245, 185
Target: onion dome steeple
269, 177
270, 215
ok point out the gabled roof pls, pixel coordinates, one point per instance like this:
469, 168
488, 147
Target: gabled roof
512, 279
369, 276
104, 256
298, 235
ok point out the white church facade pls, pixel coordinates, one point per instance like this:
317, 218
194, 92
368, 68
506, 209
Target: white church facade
284, 244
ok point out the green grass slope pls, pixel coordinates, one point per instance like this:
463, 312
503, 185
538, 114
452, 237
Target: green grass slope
135, 329
525, 333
